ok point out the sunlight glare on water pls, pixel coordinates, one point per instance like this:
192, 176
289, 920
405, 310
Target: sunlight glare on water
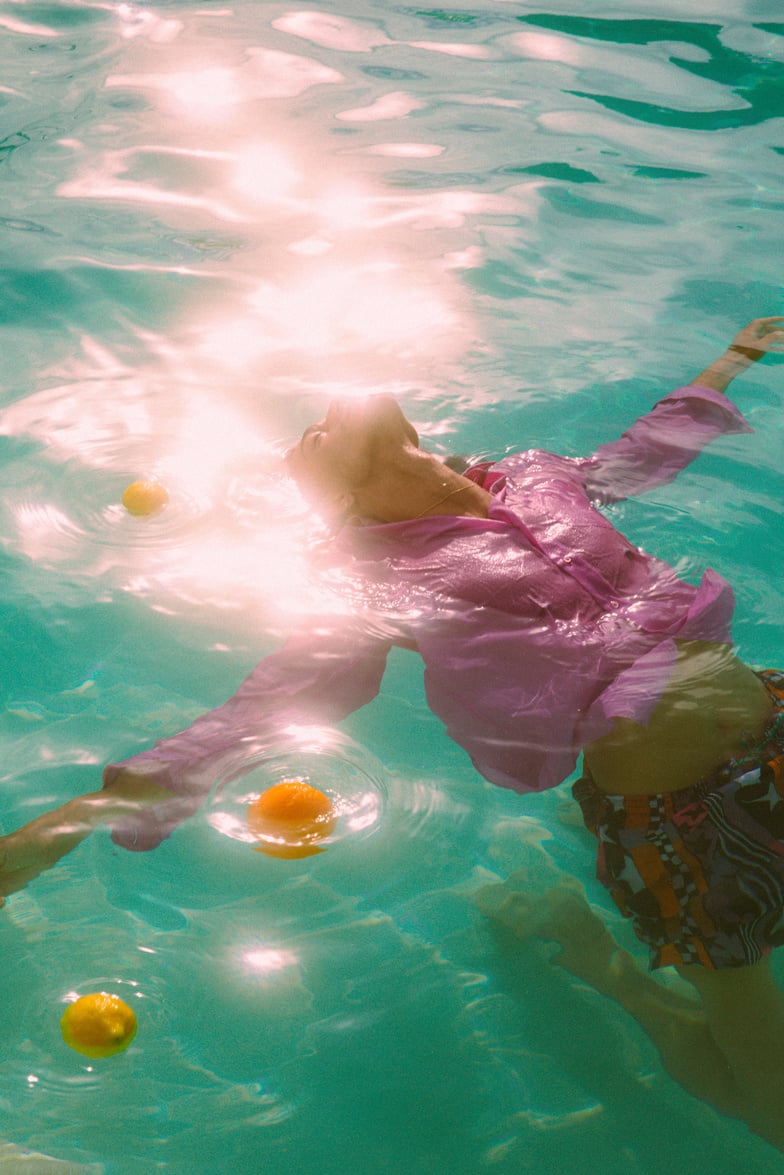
525, 224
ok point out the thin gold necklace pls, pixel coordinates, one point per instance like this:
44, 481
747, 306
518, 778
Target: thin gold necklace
439, 501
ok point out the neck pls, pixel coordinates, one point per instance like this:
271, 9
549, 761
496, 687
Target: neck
440, 501
420, 486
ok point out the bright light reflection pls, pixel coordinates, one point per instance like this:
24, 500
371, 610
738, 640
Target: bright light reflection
235, 342
367, 814
208, 94
204, 93
330, 310
547, 47
407, 150
313, 739
211, 436
137, 22
28, 30
264, 173
235, 574
395, 105
44, 531
326, 299
453, 48
105, 184
311, 247
268, 960
344, 206
332, 32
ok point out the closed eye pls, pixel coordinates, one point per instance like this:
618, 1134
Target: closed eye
312, 435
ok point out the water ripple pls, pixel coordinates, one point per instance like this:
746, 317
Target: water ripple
528, 225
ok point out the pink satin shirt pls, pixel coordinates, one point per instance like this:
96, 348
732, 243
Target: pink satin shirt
537, 626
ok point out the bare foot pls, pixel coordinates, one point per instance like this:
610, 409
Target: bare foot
561, 914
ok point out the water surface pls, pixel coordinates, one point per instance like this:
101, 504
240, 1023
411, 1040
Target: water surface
527, 224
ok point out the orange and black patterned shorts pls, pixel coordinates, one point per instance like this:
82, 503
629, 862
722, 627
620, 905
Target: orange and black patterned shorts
701, 870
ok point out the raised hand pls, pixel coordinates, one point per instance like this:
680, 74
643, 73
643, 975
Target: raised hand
762, 335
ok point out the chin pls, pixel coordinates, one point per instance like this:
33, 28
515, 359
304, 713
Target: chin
387, 411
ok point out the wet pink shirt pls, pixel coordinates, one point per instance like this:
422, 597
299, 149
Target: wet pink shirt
538, 625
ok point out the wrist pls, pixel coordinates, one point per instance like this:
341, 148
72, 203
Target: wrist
753, 354
74, 820
723, 370
732, 363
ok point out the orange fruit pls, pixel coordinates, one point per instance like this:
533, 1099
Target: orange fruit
98, 1025
144, 497
290, 818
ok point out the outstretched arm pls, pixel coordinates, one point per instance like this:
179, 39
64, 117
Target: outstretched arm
320, 675
665, 440
761, 336
40, 844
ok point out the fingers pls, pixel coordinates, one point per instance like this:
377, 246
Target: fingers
766, 326
767, 334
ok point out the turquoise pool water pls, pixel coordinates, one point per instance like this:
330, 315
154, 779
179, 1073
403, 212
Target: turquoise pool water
527, 223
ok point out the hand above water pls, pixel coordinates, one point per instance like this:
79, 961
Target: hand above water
763, 334
760, 337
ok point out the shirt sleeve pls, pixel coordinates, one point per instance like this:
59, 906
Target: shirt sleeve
660, 444
320, 675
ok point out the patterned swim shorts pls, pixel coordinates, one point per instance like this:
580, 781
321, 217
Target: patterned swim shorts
701, 870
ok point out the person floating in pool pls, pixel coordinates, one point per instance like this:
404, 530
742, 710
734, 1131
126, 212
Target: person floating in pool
545, 635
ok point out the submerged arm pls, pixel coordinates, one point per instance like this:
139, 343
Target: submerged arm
321, 675
40, 843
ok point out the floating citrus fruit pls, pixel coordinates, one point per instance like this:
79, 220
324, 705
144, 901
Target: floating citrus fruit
145, 497
98, 1025
290, 818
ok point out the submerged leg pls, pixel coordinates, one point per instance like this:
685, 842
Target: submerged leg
745, 1012
676, 1025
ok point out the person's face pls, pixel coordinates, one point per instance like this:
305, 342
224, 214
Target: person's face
340, 454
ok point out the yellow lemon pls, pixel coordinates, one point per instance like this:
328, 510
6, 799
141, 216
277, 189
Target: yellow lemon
290, 818
145, 497
98, 1025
